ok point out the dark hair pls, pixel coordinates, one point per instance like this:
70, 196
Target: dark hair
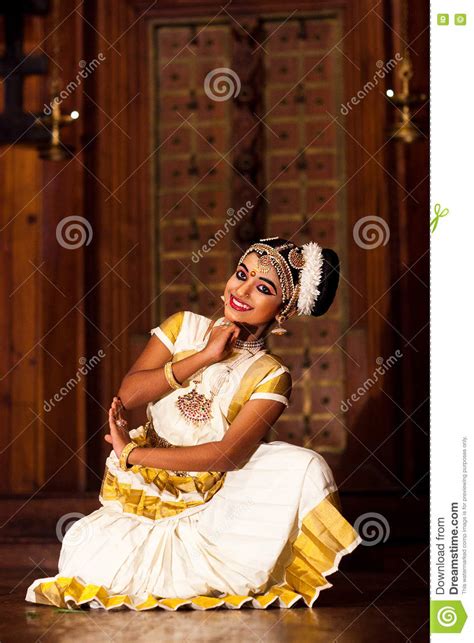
329, 283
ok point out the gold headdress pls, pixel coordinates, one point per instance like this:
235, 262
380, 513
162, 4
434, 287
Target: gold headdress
299, 269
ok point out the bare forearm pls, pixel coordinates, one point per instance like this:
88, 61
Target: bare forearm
210, 456
142, 387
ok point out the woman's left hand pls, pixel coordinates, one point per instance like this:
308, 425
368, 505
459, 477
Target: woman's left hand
118, 436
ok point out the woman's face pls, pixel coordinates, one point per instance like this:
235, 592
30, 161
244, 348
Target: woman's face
252, 297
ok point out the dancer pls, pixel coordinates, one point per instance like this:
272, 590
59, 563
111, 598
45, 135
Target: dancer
196, 508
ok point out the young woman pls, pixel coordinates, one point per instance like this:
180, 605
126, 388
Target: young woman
196, 509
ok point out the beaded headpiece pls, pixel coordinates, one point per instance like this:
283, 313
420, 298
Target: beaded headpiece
300, 271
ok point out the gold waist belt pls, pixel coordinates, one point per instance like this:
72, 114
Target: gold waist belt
155, 440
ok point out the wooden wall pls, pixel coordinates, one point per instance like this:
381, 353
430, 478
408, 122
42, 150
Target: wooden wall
42, 285
101, 297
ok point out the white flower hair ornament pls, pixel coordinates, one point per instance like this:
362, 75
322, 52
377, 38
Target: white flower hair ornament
310, 279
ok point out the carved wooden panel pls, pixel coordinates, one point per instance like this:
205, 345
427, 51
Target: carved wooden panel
305, 188
271, 144
193, 176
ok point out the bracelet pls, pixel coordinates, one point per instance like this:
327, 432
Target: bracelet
170, 378
128, 448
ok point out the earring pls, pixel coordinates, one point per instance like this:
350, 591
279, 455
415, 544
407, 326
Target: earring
223, 298
280, 330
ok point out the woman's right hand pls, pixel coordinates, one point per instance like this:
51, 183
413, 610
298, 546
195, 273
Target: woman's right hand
221, 342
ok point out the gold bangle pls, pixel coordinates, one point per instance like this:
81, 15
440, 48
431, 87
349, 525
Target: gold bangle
170, 378
128, 448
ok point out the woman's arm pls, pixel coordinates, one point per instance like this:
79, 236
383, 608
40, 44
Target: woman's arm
146, 382
243, 435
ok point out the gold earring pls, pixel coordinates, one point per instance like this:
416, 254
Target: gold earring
280, 330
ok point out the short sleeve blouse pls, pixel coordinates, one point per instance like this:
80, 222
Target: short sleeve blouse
169, 329
276, 385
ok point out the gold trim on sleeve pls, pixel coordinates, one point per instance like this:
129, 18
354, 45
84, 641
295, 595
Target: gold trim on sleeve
262, 367
172, 325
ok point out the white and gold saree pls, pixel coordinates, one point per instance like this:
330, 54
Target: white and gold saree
267, 533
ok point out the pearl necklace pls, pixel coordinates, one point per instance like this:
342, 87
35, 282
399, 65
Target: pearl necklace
255, 344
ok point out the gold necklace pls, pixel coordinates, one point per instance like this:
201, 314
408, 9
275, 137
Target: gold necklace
195, 407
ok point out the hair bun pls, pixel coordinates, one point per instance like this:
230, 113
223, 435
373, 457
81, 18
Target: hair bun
328, 284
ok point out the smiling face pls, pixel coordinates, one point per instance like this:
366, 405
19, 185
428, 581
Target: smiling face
252, 297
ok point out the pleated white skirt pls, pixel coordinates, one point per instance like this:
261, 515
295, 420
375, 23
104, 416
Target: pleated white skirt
269, 536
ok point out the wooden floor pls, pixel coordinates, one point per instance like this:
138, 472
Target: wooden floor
390, 605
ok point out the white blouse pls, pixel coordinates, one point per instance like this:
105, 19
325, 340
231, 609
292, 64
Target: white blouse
259, 376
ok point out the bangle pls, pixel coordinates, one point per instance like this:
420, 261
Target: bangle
128, 448
170, 378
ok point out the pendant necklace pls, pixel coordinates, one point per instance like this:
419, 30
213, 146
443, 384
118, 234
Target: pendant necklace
196, 407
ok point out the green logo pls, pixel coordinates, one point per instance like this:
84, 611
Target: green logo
443, 18
460, 19
447, 617
439, 214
